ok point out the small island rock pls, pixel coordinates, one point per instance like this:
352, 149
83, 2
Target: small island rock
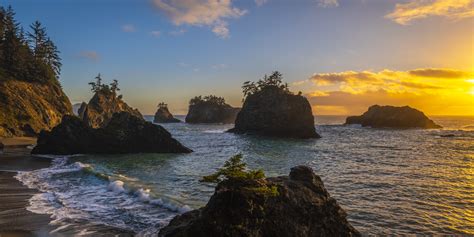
124, 133
301, 208
163, 115
210, 109
271, 110
393, 117
100, 109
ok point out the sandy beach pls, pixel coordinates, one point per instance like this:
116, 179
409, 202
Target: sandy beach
15, 219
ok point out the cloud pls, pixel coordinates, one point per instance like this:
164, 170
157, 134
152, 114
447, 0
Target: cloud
434, 90
219, 66
177, 32
211, 13
393, 81
128, 28
155, 33
404, 13
328, 3
89, 55
260, 2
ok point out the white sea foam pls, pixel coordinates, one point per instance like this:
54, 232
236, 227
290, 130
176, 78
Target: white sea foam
116, 186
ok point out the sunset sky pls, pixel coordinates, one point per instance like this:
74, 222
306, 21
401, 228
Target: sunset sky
344, 55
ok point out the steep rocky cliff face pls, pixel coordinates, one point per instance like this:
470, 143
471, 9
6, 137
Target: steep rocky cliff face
163, 115
26, 108
98, 112
275, 112
302, 207
124, 133
208, 112
393, 117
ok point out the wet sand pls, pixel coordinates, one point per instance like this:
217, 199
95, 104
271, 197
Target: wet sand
15, 219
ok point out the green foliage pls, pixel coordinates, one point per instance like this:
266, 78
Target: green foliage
266, 190
162, 105
98, 86
236, 169
210, 99
30, 56
275, 80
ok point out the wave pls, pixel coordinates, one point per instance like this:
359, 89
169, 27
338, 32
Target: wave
66, 197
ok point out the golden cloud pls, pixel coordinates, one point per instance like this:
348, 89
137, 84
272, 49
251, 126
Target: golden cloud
404, 13
434, 90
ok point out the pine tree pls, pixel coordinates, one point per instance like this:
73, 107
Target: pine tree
11, 42
37, 40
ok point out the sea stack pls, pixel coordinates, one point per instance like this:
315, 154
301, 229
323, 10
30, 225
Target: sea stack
163, 115
104, 104
210, 109
270, 109
299, 206
393, 117
124, 133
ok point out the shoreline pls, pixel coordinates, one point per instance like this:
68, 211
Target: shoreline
15, 219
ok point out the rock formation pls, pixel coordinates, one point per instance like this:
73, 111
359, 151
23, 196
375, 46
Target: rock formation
26, 108
272, 110
302, 207
124, 133
210, 109
102, 106
392, 117
163, 115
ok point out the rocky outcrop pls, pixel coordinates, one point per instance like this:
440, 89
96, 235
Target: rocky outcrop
209, 111
392, 117
302, 207
124, 133
163, 115
98, 112
26, 108
276, 112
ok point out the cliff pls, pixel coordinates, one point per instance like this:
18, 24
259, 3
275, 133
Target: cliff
124, 133
26, 108
273, 111
102, 106
392, 117
163, 115
211, 111
301, 207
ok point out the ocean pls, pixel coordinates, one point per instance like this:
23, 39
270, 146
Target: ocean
389, 181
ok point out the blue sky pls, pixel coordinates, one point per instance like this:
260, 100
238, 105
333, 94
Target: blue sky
161, 55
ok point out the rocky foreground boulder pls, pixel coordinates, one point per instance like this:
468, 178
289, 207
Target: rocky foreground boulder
392, 117
210, 109
26, 108
301, 207
124, 133
103, 105
163, 115
272, 111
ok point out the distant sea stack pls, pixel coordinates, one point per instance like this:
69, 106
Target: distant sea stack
104, 104
297, 205
210, 109
124, 133
163, 115
270, 109
392, 117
